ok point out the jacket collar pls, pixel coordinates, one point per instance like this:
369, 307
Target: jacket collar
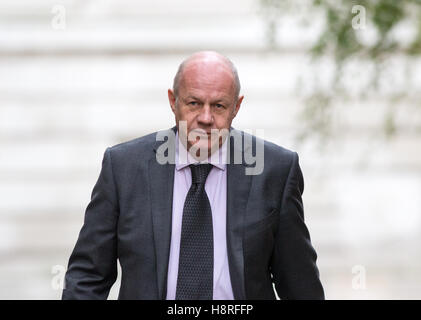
161, 181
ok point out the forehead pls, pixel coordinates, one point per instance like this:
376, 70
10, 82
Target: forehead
208, 77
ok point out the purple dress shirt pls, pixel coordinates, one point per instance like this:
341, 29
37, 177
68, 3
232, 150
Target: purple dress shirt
216, 190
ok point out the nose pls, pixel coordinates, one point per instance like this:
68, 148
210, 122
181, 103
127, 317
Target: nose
205, 117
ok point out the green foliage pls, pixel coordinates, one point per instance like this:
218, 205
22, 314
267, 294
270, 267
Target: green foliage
343, 41
382, 15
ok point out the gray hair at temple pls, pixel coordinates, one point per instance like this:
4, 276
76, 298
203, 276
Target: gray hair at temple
229, 63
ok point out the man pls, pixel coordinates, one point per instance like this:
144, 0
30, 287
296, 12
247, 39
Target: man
196, 227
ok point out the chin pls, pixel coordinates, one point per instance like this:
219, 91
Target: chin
204, 147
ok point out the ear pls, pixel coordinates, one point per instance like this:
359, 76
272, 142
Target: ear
171, 99
237, 106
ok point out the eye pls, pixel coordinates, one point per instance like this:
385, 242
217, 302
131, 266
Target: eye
219, 106
193, 103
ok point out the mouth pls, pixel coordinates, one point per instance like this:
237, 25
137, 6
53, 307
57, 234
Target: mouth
201, 133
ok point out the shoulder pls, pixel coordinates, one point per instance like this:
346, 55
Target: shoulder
272, 152
139, 143
133, 151
264, 158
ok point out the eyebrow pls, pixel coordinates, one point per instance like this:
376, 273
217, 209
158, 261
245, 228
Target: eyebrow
223, 100
192, 97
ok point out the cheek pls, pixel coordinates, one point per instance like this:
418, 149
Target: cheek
223, 121
186, 115
182, 113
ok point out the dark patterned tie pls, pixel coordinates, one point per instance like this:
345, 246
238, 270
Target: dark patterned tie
195, 269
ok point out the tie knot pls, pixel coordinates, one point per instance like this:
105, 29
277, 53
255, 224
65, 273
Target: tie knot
199, 172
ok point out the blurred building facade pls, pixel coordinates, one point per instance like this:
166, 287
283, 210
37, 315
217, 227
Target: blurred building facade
79, 76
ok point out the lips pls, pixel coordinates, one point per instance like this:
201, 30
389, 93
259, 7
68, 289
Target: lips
201, 133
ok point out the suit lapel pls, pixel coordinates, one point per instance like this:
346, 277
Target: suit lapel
161, 178
238, 187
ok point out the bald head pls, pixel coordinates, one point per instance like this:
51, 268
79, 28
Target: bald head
205, 97
207, 58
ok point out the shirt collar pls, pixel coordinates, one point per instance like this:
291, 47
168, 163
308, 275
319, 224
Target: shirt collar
183, 158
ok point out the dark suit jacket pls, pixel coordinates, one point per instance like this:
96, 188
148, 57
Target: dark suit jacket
129, 219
